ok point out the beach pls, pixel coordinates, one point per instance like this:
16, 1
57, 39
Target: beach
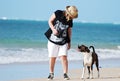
24, 53
109, 70
106, 74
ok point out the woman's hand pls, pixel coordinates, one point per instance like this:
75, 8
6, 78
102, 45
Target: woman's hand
55, 32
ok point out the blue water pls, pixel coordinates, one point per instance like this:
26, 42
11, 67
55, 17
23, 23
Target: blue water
31, 33
22, 33
99, 35
23, 47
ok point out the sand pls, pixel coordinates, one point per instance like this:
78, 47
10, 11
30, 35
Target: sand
106, 74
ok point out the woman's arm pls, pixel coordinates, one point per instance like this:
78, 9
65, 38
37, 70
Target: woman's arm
50, 22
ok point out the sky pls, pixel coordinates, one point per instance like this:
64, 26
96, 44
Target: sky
105, 11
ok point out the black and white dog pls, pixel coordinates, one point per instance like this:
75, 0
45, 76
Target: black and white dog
90, 58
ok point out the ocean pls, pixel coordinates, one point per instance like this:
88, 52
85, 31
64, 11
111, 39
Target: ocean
23, 42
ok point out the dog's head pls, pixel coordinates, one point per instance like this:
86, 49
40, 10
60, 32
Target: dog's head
83, 48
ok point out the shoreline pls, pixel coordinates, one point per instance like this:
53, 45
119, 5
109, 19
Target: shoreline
58, 61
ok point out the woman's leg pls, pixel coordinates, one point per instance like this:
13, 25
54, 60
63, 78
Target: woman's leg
53, 53
52, 64
51, 67
64, 62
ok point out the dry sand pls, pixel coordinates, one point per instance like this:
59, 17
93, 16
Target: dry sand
106, 74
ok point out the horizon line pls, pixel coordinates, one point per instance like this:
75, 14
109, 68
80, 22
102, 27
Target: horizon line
81, 21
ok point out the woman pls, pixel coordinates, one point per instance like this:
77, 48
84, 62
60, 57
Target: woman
60, 22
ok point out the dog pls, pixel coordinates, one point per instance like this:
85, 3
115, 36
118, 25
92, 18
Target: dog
90, 58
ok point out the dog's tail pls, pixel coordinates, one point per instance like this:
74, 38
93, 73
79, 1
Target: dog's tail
92, 48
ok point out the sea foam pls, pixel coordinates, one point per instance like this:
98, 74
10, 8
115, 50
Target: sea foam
26, 55
118, 47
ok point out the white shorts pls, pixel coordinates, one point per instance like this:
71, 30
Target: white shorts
57, 50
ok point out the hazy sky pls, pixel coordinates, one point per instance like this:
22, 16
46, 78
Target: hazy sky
89, 10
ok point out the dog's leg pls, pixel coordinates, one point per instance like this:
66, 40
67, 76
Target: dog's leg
84, 68
88, 72
97, 66
91, 71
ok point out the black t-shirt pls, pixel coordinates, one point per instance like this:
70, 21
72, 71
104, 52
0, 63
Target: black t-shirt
61, 17
61, 24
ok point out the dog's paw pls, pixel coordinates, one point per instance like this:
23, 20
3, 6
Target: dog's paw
91, 78
88, 77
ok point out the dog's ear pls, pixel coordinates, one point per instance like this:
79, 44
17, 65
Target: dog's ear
78, 46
